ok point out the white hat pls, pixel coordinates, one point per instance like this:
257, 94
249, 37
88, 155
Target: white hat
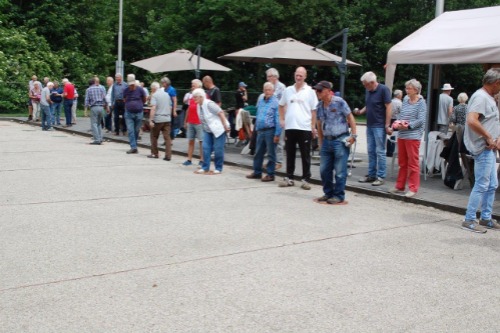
131, 79
447, 86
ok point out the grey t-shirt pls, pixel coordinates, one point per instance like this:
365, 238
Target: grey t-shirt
481, 102
163, 104
445, 101
396, 105
43, 99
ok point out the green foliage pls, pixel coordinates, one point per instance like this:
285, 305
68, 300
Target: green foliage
78, 39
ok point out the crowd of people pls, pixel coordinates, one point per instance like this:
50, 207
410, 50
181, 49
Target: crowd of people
291, 117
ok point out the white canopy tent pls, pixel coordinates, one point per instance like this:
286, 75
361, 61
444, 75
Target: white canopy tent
461, 37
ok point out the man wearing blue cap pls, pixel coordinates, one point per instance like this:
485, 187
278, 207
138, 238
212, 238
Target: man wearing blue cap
241, 95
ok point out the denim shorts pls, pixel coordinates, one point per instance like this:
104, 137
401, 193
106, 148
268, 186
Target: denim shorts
194, 132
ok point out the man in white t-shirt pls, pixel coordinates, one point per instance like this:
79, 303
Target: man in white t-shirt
482, 139
445, 108
297, 109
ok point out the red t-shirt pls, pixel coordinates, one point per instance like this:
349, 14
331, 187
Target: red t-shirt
192, 117
69, 90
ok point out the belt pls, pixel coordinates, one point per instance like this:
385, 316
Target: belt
267, 129
335, 137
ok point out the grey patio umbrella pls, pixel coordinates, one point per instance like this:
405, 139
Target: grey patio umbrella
180, 60
287, 51
292, 52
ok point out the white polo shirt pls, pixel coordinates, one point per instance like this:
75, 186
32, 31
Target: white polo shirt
299, 107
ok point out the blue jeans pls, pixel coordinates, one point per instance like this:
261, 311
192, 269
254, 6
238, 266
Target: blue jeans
486, 182
377, 165
45, 115
265, 143
334, 156
134, 123
55, 113
96, 114
68, 103
211, 143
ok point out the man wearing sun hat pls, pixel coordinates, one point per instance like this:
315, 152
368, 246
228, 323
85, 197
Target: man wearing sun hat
445, 108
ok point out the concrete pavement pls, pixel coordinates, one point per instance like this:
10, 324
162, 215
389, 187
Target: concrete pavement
94, 240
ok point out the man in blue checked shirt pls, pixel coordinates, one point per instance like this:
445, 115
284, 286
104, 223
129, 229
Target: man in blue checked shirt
268, 130
334, 119
95, 99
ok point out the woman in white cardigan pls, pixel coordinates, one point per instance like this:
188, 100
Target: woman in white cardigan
215, 127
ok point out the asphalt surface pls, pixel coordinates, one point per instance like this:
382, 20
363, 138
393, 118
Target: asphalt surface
95, 240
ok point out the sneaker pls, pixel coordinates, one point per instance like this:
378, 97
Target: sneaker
410, 194
152, 156
473, 226
490, 224
132, 151
379, 181
323, 199
305, 185
367, 179
200, 163
334, 200
201, 171
217, 172
187, 163
396, 191
286, 182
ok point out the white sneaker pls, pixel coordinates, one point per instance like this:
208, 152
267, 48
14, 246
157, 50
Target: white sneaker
200, 171
378, 182
305, 185
410, 194
217, 172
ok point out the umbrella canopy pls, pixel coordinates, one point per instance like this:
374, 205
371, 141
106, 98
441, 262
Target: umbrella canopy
287, 51
180, 60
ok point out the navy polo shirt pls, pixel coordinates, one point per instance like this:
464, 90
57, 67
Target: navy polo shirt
375, 102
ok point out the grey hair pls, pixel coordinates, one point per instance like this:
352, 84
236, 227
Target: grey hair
198, 92
268, 85
65, 80
166, 80
462, 97
273, 72
118, 75
37, 83
369, 77
155, 85
397, 92
491, 76
197, 83
50, 84
415, 84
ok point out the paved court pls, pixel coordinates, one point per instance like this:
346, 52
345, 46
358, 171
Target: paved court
95, 240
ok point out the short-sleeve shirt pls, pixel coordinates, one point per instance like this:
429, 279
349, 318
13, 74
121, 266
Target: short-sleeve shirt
69, 89
334, 116
484, 104
299, 107
279, 88
214, 94
375, 105
445, 101
53, 97
163, 103
134, 101
396, 105
43, 98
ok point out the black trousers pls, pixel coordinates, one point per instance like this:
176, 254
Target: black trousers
303, 139
119, 110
